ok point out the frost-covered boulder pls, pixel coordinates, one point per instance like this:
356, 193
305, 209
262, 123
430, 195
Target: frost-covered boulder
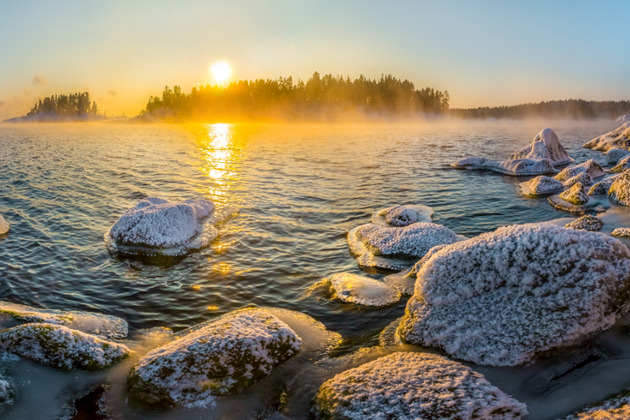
61, 347
399, 216
406, 243
405, 281
592, 168
408, 385
107, 326
220, 358
541, 185
621, 232
583, 178
544, 146
575, 195
519, 167
602, 187
502, 297
363, 290
586, 222
157, 224
471, 162
622, 165
615, 155
619, 138
619, 191
4, 225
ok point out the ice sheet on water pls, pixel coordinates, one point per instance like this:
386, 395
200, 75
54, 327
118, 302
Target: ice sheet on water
362, 290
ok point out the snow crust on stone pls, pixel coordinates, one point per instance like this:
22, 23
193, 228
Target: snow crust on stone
362, 290
522, 167
590, 167
575, 195
399, 216
470, 162
619, 138
615, 155
107, 326
614, 408
583, 178
405, 281
157, 223
602, 187
619, 191
61, 347
621, 166
500, 298
586, 222
409, 385
541, 185
622, 232
221, 358
544, 146
4, 225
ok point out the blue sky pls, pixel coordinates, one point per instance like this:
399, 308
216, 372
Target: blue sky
484, 53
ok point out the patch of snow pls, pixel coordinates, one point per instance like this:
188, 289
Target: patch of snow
615, 155
408, 385
619, 138
504, 296
4, 225
575, 195
398, 216
541, 185
621, 232
619, 191
363, 290
586, 222
544, 146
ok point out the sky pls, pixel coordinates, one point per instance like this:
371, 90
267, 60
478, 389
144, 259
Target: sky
484, 52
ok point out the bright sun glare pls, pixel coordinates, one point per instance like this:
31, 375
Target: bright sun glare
220, 71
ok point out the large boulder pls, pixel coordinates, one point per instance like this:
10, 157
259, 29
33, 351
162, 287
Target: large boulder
408, 385
619, 138
4, 225
619, 191
220, 358
362, 290
504, 296
61, 347
544, 146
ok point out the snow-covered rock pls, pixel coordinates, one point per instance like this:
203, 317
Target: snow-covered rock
501, 297
407, 385
583, 178
544, 146
619, 191
107, 326
541, 185
157, 224
575, 195
616, 407
363, 290
4, 225
619, 138
61, 347
586, 222
590, 167
399, 216
471, 162
405, 243
621, 232
221, 358
405, 281
622, 165
602, 187
615, 155
519, 167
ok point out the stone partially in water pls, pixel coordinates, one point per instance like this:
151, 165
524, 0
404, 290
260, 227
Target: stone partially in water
471, 162
408, 385
544, 146
362, 290
399, 216
221, 358
616, 407
615, 155
541, 185
4, 225
592, 168
621, 166
586, 222
519, 167
61, 347
602, 187
575, 195
619, 138
621, 232
619, 191
569, 284
583, 178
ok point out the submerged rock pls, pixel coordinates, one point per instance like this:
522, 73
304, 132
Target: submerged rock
619, 138
157, 225
619, 191
541, 185
221, 358
586, 222
399, 216
107, 326
615, 155
4, 225
621, 232
408, 385
362, 290
504, 296
590, 167
544, 146
61, 347
575, 195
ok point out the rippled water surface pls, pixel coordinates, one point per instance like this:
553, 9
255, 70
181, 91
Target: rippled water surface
299, 190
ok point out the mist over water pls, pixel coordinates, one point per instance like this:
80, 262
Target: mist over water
299, 189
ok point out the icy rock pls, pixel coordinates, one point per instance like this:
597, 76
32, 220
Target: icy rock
91, 323
6, 391
220, 358
621, 232
363, 290
399, 216
472, 162
61, 347
619, 138
575, 195
590, 167
501, 297
615, 155
518, 167
4, 225
613, 408
586, 222
602, 187
409, 385
619, 191
544, 146
621, 166
583, 178
541, 185
157, 223
405, 281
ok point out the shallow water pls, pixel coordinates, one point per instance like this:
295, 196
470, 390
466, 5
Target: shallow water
299, 190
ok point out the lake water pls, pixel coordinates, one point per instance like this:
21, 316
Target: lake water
299, 190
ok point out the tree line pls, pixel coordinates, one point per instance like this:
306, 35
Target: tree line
570, 108
71, 105
318, 96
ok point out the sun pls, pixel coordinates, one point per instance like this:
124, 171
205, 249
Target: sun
221, 71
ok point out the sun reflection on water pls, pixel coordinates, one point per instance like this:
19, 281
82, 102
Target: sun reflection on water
220, 159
